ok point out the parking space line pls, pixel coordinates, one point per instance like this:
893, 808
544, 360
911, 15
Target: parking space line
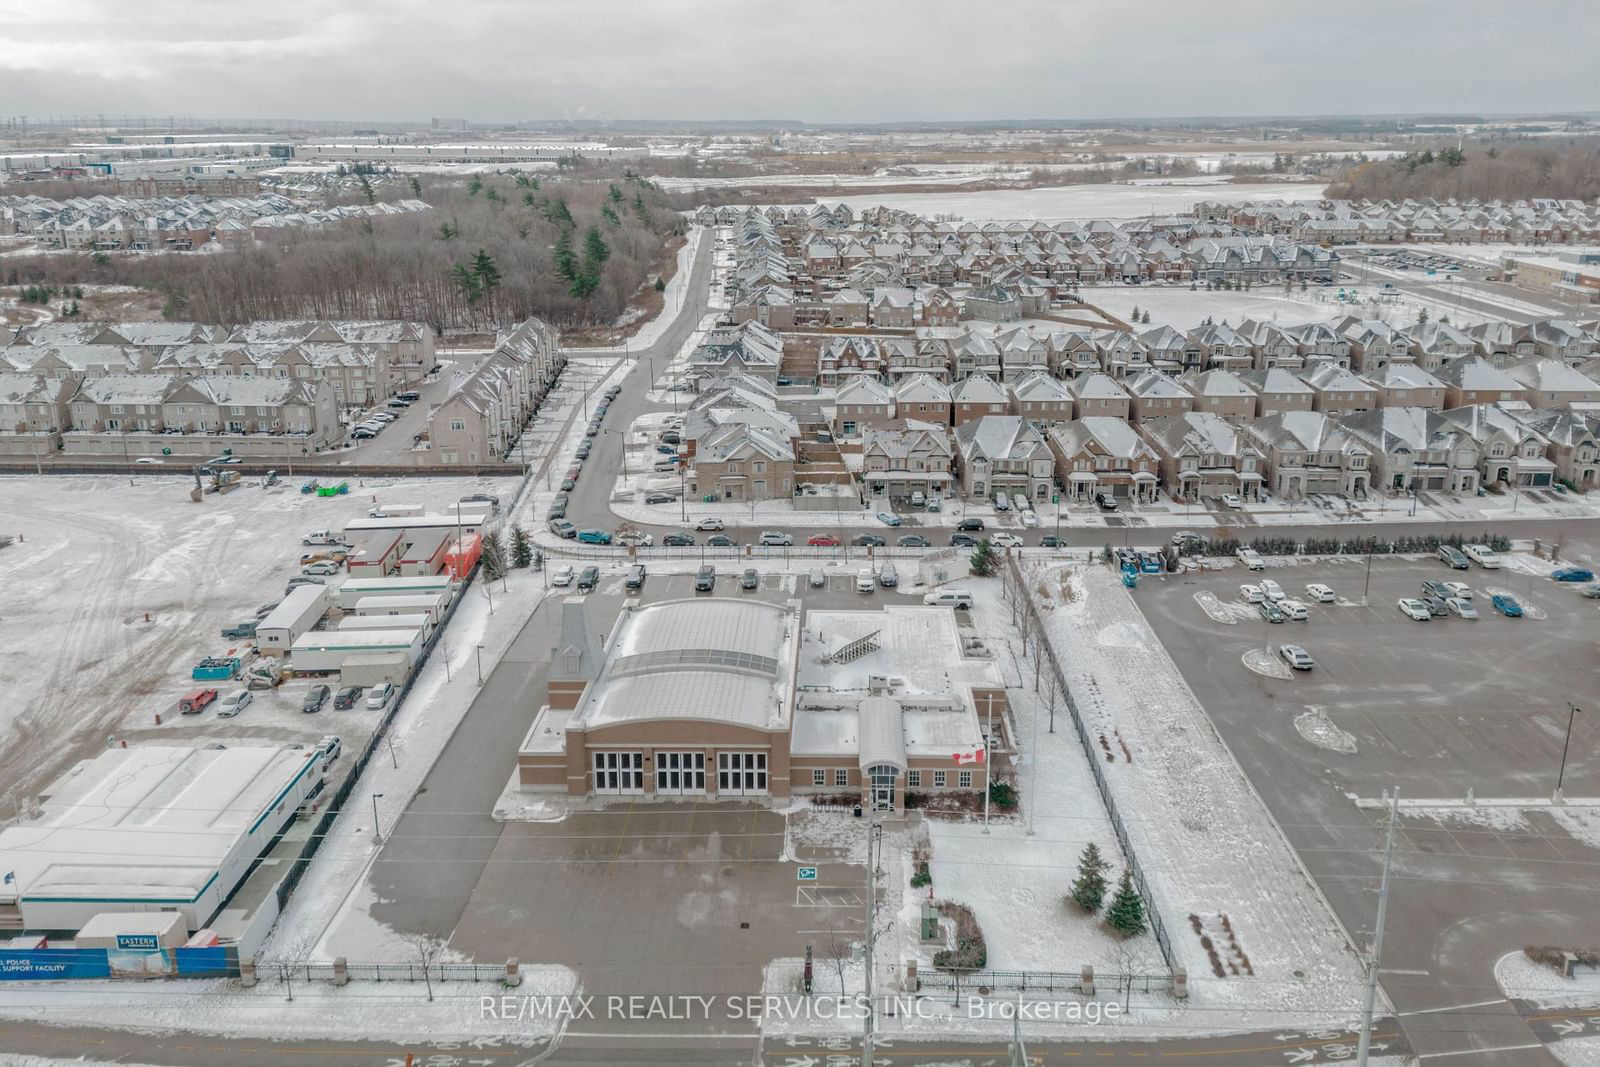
622, 839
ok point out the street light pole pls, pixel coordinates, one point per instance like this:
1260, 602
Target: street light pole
480, 664
1572, 713
377, 833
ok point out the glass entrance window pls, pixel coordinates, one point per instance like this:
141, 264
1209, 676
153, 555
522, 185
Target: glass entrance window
680, 772
619, 772
882, 776
742, 773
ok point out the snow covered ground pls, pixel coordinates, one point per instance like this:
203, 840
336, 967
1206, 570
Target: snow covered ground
115, 590
1208, 845
1113, 201
1522, 979
1184, 309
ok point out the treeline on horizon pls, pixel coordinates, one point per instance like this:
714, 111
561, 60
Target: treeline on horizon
494, 250
1562, 171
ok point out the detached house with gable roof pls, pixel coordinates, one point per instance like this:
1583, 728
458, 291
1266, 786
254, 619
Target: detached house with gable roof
1104, 455
916, 457
1003, 454
1307, 452
1204, 457
1417, 447
978, 396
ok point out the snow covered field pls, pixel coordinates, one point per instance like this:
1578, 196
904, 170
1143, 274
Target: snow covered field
97, 556
1085, 201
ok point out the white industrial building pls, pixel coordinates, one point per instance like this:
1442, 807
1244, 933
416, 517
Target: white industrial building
432, 605
150, 828
323, 651
355, 590
295, 614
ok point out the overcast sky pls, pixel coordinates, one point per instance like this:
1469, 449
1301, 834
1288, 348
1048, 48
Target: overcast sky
811, 60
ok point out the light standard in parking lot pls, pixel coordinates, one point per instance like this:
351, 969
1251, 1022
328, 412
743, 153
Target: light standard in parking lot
480, 664
377, 833
1572, 713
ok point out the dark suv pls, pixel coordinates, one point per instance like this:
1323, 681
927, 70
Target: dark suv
705, 579
347, 698
970, 524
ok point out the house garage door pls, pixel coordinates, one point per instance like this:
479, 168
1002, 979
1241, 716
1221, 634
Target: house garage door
742, 773
619, 772
678, 773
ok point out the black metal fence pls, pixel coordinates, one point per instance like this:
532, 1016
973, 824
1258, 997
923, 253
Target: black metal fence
323, 971
982, 982
1092, 757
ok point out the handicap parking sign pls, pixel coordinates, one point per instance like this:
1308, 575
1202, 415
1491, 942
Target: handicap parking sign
806, 874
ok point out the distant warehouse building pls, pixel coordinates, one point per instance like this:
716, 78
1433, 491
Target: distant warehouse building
1571, 275
150, 829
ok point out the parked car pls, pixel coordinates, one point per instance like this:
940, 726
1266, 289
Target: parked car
913, 541
678, 540
822, 541
346, 698
240, 631
1455, 557
583, 450
709, 524
667, 450
749, 579
774, 539
588, 578
1506, 605
1461, 609
948, 598
302, 579
658, 498
594, 537
1436, 606
1029, 519
321, 566
264, 610
1592, 592
1105, 502
961, 540
1005, 540
561, 575
719, 541
1270, 611
868, 541
148, 459
865, 581
970, 525
563, 528
194, 703
1572, 574
888, 577
1001, 503
888, 518
378, 696
1051, 541
316, 696
233, 703
1433, 587
323, 537
1482, 555
1322, 594
1230, 500
1251, 594
817, 578
1459, 590
363, 433
1296, 657
1271, 589
705, 579
635, 578
1294, 610
1251, 559
1414, 609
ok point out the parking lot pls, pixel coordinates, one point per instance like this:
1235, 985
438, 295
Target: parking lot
1437, 709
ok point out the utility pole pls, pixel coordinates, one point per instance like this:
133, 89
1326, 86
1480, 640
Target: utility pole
1019, 1051
1377, 934
1572, 713
872, 926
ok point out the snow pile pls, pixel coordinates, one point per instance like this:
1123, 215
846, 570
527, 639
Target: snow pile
1316, 727
1522, 979
1205, 840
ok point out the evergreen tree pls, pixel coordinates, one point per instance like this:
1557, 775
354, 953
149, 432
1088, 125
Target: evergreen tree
1126, 914
615, 195
528, 199
1135, 315
1147, 316
416, 188
448, 232
483, 265
475, 186
1089, 889
609, 215
983, 560
1422, 317
521, 547
494, 555
367, 190
522, 180
566, 263
594, 247
466, 281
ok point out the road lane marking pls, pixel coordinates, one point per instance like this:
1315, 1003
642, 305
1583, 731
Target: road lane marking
1477, 1051
1453, 1007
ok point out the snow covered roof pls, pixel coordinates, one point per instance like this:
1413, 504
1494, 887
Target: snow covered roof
715, 660
147, 824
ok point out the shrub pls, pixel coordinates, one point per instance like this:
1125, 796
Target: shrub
970, 953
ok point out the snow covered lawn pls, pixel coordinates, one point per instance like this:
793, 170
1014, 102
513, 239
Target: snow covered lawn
1114, 201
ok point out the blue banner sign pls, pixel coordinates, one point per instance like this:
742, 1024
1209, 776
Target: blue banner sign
33, 965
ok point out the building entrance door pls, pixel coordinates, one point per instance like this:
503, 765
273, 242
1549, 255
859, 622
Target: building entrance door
679, 773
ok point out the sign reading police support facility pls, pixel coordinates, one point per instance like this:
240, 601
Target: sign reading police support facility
138, 942
806, 874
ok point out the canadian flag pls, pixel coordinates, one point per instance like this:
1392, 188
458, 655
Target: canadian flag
969, 757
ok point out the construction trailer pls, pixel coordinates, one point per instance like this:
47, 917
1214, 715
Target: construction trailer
375, 553
354, 590
467, 522
432, 605
298, 612
424, 552
375, 668
389, 622
325, 651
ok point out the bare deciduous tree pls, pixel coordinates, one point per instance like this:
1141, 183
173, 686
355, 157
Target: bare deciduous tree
428, 947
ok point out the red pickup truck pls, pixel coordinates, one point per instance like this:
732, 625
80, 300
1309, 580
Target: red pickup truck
194, 703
